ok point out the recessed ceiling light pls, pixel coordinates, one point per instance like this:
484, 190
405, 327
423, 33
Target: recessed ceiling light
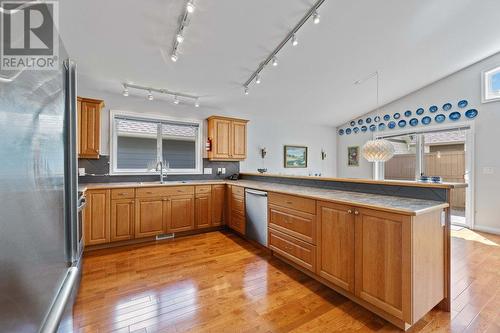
150, 96
295, 41
275, 62
197, 103
316, 17
179, 38
190, 6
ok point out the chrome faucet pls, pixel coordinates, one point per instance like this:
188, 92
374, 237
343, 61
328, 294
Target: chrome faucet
163, 176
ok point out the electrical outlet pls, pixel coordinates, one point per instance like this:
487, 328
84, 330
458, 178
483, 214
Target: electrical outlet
207, 171
488, 170
219, 171
223, 171
81, 172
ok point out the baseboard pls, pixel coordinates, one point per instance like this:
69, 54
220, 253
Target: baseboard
490, 230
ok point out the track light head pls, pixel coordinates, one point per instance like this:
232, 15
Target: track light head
246, 90
295, 41
257, 78
197, 103
316, 17
174, 57
150, 96
190, 6
125, 91
179, 38
176, 100
275, 62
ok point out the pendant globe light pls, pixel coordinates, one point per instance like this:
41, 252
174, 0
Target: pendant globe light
377, 150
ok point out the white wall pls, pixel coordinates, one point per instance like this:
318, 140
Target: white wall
261, 131
465, 84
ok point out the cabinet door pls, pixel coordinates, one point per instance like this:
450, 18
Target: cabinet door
203, 210
122, 219
238, 140
382, 245
218, 199
149, 217
90, 125
221, 138
336, 244
180, 213
97, 217
78, 125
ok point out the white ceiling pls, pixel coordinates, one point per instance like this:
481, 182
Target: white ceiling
411, 43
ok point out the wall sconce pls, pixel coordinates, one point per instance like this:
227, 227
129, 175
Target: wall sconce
263, 152
323, 155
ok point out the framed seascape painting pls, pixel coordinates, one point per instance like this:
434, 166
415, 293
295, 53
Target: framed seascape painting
295, 157
353, 156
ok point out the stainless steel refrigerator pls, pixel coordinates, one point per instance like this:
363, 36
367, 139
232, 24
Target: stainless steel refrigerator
40, 246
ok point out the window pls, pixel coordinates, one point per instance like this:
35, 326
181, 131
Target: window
491, 85
139, 143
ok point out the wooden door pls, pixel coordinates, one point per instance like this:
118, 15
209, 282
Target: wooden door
336, 244
239, 140
149, 217
97, 215
222, 138
383, 259
218, 199
203, 210
122, 219
180, 213
90, 125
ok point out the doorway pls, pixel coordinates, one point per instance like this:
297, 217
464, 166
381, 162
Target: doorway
446, 153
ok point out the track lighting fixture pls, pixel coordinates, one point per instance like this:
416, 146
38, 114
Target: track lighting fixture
179, 38
150, 90
174, 57
190, 6
290, 37
316, 17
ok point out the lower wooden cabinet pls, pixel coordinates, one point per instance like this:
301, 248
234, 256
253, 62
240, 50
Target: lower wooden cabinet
149, 216
180, 213
301, 253
218, 204
203, 210
237, 217
122, 219
97, 215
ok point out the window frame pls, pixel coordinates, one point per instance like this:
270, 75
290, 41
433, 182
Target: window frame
486, 94
152, 117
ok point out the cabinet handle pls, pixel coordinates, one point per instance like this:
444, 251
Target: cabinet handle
349, 211
356, 212
289, 203
131, 202
149, 192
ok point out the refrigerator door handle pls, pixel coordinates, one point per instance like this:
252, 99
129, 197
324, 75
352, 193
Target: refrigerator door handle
53, 318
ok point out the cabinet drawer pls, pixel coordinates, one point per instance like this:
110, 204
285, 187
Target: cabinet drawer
295, 250
238, 191
238, 223
238, 204
298, 224
203, 189
293, 202
160, 191
123, 193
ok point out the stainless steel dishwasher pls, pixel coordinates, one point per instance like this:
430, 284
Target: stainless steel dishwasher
256, 211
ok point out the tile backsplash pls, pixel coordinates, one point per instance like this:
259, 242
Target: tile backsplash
97, 171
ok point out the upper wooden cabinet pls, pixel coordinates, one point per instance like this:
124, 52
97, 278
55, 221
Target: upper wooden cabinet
228, 137
89, 127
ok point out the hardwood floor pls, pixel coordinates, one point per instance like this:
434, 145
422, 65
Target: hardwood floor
217, 282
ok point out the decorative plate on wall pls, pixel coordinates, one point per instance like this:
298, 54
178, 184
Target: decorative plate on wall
360, 121
348, 131
407, 113
341, 131
440, 118
352, 123
433, 109
402, 123
376, 119
426, 120
387, 117
413, 122
471, 114
355, 129
455, 116
463, 103
396, 115
391, 124
420, 111
368, 120
381, 126
447, 107
364, 128
373, 128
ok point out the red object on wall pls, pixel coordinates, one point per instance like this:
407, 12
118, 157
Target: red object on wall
208, 144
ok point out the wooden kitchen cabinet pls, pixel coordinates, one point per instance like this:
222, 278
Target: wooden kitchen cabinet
89, 127
122, 219
336, 244
97, 215
237, 219
180, 213
203, 210
149, 216
218, 204
228, 137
